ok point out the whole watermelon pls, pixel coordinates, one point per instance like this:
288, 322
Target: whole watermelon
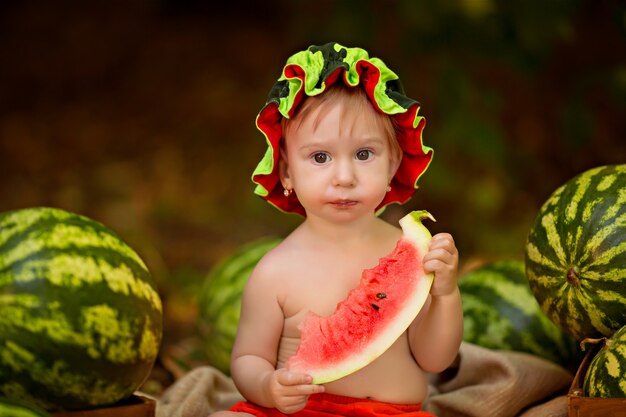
501, 313
576, 253
606, 375
13, 408
220, 300
80, 316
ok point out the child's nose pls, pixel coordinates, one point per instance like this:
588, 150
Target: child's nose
344, 174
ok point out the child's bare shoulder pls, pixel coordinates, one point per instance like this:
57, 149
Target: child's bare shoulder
274, 264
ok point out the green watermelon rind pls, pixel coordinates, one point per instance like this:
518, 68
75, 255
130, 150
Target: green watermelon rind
81, 318
606, 374
14, 408
220, 300
501, 313
579, 236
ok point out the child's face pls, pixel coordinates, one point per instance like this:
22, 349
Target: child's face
339, 169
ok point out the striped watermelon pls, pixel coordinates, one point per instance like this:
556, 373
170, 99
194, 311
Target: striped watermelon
576, 253
12, 408
606, 375
80, 317
501, 313
220, 300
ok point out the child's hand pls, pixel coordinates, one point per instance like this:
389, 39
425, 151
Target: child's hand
442, 259
290, 391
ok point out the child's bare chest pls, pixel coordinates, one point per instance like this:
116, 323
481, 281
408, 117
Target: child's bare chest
318, 286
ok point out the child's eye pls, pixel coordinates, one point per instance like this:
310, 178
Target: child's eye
321, 157
364, 154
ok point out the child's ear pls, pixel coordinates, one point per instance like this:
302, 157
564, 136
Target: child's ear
283, 171
394, 164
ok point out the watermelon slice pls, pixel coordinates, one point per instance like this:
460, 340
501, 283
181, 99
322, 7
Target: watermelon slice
373, 315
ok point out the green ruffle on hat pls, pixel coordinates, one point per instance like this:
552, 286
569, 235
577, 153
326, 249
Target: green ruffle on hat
311, 72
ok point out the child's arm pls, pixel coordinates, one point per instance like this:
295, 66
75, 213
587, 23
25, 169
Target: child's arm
436, 335
254, 354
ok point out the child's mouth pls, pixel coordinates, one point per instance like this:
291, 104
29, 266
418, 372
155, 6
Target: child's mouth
344, 203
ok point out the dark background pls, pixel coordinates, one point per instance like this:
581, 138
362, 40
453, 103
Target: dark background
140, 114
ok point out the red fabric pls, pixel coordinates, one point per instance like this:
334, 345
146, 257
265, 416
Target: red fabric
329, 405
369, 76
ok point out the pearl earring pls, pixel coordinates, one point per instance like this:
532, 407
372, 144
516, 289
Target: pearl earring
388, 188
287, 192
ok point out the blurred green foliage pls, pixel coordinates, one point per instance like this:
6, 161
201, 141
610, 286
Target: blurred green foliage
142, 115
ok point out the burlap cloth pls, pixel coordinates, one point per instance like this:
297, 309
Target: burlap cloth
486, 383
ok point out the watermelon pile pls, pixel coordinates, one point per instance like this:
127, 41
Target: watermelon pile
220, 300
576, 266
80, 316
500, 312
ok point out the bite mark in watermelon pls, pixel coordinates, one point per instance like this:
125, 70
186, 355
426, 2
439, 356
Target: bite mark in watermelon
373, 315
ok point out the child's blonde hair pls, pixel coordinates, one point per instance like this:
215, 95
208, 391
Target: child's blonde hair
355, 101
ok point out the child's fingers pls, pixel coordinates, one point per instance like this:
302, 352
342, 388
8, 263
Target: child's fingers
308, 389
438, 253
436, 266
442, 237
432, 265
440, 261
441, 255
287, 378
442, 240
296, 401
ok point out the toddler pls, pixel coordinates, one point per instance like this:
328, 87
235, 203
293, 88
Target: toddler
343, 142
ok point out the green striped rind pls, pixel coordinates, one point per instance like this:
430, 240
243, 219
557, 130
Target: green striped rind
606, 375
501, 313
80, 316
220, 300
581, 229
13, 408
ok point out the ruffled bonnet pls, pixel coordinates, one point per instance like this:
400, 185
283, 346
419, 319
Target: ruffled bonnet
311, 72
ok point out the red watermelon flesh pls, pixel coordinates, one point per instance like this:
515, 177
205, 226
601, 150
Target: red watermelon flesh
373, 315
